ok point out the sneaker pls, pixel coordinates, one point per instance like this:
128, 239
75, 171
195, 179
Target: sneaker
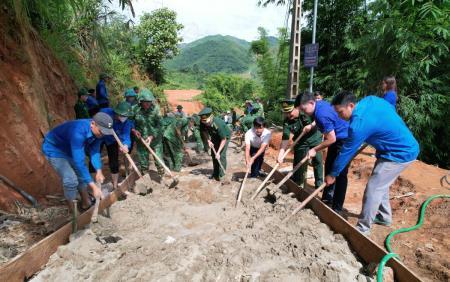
365, 233
379, 221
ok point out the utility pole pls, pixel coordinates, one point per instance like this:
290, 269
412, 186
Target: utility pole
294, 51
311, 78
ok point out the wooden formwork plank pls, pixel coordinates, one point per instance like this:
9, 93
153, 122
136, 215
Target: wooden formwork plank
367, 249
29, 262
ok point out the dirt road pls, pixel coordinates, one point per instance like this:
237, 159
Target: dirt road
194, 233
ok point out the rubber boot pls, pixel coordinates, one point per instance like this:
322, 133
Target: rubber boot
115, 180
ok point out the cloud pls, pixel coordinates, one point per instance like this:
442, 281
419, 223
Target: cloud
239, 18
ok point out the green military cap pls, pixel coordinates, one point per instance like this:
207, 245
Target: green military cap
287, 105
146, 96
82, 91
179, 107
123, 109
205, 113
130, 93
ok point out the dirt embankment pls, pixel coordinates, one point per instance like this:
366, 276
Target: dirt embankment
36, 93
184, 98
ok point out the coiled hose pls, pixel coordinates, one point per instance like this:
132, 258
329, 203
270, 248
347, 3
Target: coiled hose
391, 254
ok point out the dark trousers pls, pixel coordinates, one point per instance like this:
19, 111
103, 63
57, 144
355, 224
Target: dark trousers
113, 158
256, 166
335, 193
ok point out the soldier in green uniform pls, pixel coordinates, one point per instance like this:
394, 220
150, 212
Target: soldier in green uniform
216, 129
261, 106
247, 121
173, 142
294, 123
81, 110
194, 124
148, 126
131, 97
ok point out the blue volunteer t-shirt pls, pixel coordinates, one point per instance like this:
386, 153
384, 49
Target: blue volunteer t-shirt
391, 97
328, 120
71, 140
122, 129
377, 123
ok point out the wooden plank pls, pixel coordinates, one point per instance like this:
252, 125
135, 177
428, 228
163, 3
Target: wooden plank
367, 249
29, 262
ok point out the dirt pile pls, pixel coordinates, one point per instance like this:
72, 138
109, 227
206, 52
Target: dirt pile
194, 233
184, 98
36, 93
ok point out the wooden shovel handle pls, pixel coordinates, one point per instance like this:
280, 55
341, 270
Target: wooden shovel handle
306, 201
127, 155
241, 189
218, 160
156, 157
276, 166
288, 176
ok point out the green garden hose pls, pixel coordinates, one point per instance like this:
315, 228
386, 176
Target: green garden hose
391, 254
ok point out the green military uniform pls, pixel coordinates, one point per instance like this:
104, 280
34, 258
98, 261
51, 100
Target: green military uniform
247, 121
148, 123
217, 130
173, 142
197, 136
310, 140
81, 110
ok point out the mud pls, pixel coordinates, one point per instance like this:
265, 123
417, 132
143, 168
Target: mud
194, 233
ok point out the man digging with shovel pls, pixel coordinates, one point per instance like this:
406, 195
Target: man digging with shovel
216, 129
147, 122
64, 147
293, 124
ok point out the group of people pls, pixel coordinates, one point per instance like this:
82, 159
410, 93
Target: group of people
341, 127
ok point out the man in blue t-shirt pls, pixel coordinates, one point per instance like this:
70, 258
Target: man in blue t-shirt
335, 131
375, 122
65, 147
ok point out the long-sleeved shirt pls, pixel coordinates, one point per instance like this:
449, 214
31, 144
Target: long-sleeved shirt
328, 120
91, 103
122, 129
391, 97
71, 140
375, 122
102, 92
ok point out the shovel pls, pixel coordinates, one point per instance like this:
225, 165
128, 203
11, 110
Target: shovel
241, 189
276, 166
175, 181
307, 200
318, 190
127, 155
94, 217
218, 160
288, 176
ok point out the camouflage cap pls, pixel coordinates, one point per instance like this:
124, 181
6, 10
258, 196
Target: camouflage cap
287, 105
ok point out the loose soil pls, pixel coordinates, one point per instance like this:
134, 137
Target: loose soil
194, 233
425, 251
186, 98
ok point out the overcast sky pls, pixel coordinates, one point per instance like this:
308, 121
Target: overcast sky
239, 18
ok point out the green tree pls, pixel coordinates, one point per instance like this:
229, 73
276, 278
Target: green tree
158, 41
272, 70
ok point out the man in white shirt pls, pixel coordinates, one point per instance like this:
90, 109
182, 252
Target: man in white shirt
257, 139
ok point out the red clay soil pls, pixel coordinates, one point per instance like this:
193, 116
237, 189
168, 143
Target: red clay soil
35, 95
425, 251
184, 98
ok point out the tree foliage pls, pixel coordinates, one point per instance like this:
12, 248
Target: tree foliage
223, 91
158, 40
363, 41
